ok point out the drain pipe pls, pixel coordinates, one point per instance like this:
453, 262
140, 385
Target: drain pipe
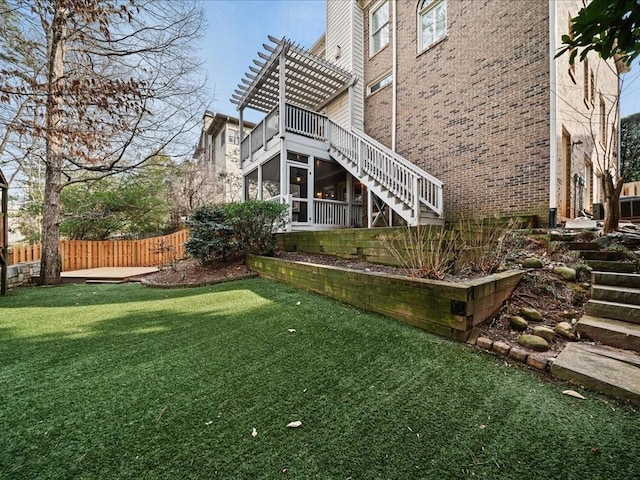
553, 121
394, 68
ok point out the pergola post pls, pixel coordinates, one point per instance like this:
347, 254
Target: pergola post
243, 195
282, 107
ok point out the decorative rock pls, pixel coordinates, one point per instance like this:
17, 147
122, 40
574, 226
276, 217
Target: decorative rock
567, 273
531, 314
518, 323
536, 362
485, 343
501, 347
564, 329
518, 354
532, 262
533, 342
544, 332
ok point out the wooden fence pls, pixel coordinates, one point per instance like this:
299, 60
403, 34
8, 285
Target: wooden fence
631, 189
82, 254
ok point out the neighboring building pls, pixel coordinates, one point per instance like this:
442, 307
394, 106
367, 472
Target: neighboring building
431, 107
218, 155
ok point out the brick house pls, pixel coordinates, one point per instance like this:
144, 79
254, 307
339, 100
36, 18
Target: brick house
421, 108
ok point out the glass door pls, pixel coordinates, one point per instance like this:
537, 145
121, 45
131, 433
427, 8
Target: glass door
299, 181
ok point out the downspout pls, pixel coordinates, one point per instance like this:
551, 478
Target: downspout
553, 121
394, 67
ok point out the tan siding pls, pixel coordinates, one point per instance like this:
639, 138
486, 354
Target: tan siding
344, 29
580, 117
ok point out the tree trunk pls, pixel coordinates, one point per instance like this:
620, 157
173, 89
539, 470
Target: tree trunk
611, 202
50, 263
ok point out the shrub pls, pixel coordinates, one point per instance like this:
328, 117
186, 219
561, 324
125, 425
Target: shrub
210, 235
424, 251
255, 223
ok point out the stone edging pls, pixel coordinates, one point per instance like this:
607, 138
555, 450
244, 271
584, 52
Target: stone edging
514, 353
148, 283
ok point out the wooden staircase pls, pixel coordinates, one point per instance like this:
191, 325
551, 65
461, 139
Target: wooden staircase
612, 318
408, 190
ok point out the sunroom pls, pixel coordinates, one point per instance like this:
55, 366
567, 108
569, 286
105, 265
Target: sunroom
324, 171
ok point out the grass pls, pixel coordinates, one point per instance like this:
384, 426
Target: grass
122, 381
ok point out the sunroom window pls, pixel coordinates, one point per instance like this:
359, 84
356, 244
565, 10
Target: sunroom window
379, 28
432, 22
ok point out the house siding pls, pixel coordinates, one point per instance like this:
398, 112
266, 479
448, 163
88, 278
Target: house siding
344, 30
579, 118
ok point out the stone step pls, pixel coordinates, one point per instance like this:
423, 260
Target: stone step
607, 266
604, 369
616, 311
606, 255
617, 294
631, 280
582, 246
610, 332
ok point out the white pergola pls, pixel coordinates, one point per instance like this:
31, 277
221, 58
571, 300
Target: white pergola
287, 73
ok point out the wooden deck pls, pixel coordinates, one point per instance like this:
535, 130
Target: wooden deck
107, 275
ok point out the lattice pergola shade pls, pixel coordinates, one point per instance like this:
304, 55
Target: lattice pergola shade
310, 82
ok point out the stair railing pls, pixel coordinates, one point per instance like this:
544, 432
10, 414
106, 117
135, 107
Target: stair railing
407, 182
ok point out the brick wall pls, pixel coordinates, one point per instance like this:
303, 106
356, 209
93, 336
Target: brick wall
473, 109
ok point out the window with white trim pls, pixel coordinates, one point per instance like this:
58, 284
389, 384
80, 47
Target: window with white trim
379, 84
432, 22
379, 28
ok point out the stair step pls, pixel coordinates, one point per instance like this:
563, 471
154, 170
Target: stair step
582, 246
616, 279
617, 294
616, 311
606, 266
606, 370
611, 332
605, 255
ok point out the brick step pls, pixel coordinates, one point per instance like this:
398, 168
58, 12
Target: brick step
629, 296
614, 333
606, 266
616, 311
606, 255
631, 280
604, 369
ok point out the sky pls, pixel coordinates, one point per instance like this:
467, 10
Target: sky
237, 29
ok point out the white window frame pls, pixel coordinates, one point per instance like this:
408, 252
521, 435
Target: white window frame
428, 7
379, 30
379, 83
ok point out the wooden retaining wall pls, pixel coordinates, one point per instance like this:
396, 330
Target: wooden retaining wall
83, 254
367, 243
444, 308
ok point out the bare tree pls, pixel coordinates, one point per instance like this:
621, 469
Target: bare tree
119, 86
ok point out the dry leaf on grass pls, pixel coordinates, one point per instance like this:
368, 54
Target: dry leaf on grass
574, 394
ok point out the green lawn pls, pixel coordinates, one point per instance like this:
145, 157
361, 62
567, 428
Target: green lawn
127, 382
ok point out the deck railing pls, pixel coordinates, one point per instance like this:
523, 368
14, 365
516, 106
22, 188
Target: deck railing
305, 122
405, 181
260, 135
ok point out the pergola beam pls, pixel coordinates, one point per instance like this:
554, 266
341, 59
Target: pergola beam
308, 80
